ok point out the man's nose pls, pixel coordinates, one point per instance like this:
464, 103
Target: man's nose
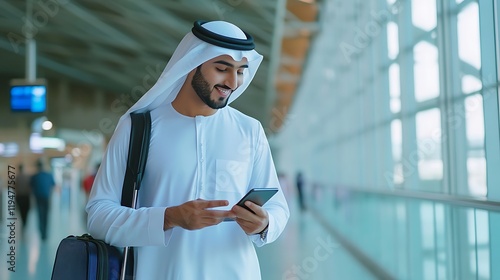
232, 80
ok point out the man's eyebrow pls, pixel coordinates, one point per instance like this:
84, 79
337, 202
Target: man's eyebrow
229, 64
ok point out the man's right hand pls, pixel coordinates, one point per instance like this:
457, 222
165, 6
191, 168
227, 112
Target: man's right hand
195, 214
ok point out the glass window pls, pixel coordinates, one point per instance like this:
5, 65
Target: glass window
476, 161
423, 13
392, 40
397, 150
427, 220
426, 71
395, 88
483, 242
470, 84
474, 117
430, 163
468, 35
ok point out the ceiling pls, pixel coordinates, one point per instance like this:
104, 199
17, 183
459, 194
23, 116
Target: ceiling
119, 45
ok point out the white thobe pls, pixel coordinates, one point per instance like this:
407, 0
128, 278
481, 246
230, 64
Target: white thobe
221, 156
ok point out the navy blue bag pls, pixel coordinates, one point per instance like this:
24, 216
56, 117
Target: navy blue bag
96, 260
85, 258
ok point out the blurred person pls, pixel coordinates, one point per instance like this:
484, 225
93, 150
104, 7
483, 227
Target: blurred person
203, 157
42, 184
88, 181
23, 194
299, 181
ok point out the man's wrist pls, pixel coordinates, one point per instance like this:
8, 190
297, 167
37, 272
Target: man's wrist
167, 219
263, 233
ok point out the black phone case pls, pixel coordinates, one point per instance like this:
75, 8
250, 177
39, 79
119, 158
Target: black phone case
258, 196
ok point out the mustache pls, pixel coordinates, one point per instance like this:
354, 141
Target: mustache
223, 86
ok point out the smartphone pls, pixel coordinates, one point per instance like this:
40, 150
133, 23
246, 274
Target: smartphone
258, 196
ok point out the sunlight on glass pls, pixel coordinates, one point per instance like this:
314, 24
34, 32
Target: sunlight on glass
423, 13
482, 224
397, 139
476, 161
390, 2
459, 1
397, 150
483, 242
430, 164
394, 88
474, 118
471, 227
476, 169
398, 174
469, 49
471, 84
478, 229
427, 222
392, 40
426, 71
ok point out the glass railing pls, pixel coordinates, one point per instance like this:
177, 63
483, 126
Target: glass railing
410, 235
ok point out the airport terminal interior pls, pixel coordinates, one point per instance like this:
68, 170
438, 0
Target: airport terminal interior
385, 112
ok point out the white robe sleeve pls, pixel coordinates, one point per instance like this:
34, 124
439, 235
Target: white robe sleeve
107, 219
264, 175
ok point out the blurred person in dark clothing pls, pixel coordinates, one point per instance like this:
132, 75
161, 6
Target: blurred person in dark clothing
23, 194
42, 184
300, 187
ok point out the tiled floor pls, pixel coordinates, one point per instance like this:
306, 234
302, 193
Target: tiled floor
304, 251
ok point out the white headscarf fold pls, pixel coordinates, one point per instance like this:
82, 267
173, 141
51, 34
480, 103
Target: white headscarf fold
189, 54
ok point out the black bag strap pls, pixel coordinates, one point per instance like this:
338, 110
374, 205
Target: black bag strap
140, 134
138, 149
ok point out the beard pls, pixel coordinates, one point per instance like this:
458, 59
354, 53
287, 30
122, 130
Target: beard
204, 91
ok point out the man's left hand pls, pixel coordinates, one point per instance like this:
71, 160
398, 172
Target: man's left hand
251, 223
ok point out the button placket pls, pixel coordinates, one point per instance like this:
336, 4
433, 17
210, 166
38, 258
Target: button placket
202, 155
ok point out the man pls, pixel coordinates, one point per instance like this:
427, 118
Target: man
23, 194
88, 181
300, 187
42, 184
203, 157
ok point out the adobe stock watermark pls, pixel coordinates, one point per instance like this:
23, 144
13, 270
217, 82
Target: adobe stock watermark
280, 117
322, 252
454, 120
43, 11
363, 37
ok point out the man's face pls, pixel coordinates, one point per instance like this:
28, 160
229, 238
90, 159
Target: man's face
215, 80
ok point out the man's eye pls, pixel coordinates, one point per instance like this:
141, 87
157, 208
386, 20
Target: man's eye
220, 70
240, 73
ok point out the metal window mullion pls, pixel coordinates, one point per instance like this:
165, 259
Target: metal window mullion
454, 144
409, 138
489, 32
408, 103
382, 107
489, 63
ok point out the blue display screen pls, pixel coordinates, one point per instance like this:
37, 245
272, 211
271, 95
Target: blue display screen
28, 98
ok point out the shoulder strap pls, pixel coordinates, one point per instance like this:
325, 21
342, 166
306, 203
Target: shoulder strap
138, 149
